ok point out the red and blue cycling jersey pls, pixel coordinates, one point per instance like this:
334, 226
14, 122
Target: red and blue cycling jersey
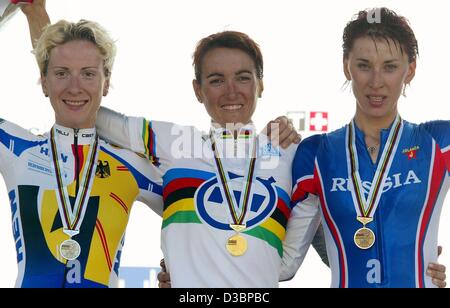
406, 221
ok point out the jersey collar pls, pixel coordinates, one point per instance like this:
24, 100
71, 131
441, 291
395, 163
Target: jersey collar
230, 145
68, 135
247, 131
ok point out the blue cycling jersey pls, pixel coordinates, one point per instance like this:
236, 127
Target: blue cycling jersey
406, 221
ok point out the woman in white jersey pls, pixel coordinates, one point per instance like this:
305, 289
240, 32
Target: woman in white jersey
231, 225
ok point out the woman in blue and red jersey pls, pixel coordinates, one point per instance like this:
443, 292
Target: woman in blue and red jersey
381, 180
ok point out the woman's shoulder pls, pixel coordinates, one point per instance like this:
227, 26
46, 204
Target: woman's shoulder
439, 130
436, 126
12, 130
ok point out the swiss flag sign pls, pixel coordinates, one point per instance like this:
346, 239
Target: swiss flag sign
318, 121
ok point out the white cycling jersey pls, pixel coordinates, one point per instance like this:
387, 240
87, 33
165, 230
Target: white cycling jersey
200, 211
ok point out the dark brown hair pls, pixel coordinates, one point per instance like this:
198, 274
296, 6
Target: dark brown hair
227, 39
381, 23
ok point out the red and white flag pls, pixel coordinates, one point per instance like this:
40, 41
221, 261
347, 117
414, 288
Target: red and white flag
318, 121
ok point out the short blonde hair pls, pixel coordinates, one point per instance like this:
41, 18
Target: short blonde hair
63, 31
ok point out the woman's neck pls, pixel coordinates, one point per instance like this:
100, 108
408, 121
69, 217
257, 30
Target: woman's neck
371, 126
75, 126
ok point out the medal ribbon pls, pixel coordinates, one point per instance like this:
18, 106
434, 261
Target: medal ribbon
366, 208
237, 219
72, 219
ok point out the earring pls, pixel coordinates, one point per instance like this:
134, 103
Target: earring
404, 90
346, 84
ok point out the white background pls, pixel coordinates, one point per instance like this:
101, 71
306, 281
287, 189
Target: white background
301, 43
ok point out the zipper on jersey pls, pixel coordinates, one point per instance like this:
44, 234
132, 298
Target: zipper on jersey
77, 161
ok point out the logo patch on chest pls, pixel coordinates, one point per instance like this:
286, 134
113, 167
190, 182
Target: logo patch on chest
213, 208
411, 153
103, 171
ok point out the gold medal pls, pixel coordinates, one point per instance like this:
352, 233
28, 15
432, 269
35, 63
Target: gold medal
237, 245
365, 207
70, 250
72, 218
364, 238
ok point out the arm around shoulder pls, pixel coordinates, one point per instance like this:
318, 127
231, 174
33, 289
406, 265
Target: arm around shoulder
117, 128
